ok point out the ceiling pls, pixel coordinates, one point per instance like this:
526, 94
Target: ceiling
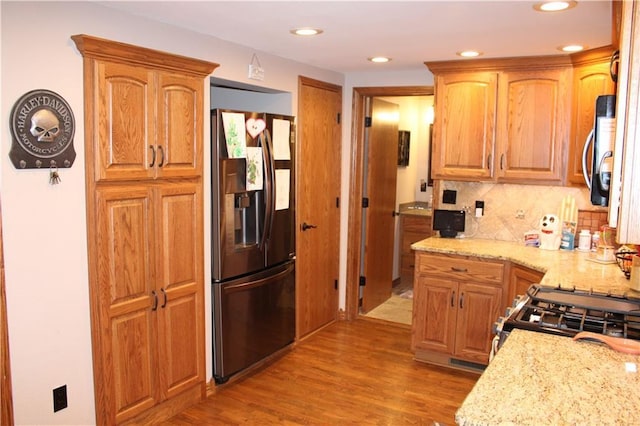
410, 32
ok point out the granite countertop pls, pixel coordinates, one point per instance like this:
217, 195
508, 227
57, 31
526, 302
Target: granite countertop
564, 268
543, 379
416, 208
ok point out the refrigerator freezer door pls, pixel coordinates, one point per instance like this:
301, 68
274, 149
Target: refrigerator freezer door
238, 196
280, 138
253, 318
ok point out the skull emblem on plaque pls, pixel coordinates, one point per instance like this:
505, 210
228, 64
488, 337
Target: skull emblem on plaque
45, 125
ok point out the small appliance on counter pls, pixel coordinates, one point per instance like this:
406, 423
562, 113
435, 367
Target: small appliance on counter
448, 222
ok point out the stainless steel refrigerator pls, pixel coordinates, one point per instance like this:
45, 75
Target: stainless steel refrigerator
253, 238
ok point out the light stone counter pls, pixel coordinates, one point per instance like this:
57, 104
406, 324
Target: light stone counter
542, 379
416, 208
562, 268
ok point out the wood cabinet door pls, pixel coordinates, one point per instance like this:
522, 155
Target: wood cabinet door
179, 287
478, 308
413, 229
124, 294
589, 82
179, 129
124, 120
532, 125
520, 279
464, 129
434, 314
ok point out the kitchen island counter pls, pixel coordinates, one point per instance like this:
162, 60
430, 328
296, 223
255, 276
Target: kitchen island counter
539, 378
564, 268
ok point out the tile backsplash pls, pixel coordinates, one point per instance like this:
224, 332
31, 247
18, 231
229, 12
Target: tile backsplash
511, 210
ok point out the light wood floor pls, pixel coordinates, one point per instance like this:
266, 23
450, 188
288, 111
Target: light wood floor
358, 372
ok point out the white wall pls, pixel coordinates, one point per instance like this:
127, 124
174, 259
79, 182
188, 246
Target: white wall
44, 226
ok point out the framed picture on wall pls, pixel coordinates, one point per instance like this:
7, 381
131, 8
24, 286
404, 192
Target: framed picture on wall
403, 148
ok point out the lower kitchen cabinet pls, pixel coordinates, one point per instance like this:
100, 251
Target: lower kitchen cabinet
413, 228
456, 301
520, 279
150, 299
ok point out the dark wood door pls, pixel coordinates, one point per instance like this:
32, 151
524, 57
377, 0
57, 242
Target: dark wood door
380, 189
318, 213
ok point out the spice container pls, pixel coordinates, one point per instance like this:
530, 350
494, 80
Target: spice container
595, 241
584, 240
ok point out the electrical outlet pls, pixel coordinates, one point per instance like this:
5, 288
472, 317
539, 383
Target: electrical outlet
520, 214
60, 398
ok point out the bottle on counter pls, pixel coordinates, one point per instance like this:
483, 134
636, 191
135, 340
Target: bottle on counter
584, 240
595, 241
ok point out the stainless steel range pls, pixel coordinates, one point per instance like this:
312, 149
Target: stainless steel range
567, 312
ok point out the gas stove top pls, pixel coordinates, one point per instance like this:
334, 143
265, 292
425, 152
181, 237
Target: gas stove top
567, 312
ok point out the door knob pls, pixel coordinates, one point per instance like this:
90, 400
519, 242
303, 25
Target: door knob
306, 226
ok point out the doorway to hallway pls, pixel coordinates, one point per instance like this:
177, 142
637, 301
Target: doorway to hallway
409, 183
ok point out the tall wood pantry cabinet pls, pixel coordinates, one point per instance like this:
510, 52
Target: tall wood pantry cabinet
143, 155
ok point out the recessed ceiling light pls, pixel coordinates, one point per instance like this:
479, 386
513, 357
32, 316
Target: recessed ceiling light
571, 48
469, 53
306, 31
554, 6
379, 59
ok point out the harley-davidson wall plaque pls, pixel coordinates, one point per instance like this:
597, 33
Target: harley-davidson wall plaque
42, 127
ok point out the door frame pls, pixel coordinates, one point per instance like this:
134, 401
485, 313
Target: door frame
354, 254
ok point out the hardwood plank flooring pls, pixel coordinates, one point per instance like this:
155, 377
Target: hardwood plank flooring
357, 372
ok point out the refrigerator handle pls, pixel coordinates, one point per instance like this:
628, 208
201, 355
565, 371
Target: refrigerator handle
585, 151
269, 186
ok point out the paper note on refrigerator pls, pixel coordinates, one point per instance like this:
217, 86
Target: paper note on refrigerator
282, 188
281, 130
254, 168
235, 134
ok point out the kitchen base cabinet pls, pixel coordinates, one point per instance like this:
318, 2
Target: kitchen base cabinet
520, 279
413, 228
456, 301
143, 132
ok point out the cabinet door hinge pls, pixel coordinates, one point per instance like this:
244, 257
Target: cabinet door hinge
365, 202
363, 281
338, 118
367, 122
337, 202
335, 284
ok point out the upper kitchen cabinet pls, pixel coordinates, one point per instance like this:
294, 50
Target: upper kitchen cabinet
145, 112
464, 130
591, 78
533, 124
503, 120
